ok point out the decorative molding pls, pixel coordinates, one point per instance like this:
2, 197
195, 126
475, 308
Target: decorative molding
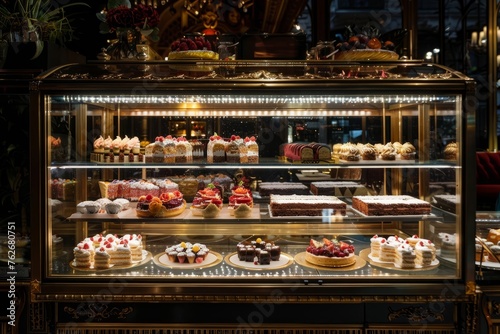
415, 314
495, 308
98, 312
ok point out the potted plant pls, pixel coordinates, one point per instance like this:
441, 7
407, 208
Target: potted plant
36, 21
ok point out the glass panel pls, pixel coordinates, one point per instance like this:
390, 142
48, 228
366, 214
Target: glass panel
83, 168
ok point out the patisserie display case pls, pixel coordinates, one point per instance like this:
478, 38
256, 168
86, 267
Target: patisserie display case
328, 113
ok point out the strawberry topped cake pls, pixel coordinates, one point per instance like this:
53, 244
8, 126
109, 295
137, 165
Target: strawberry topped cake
197, 47
253, 150
240, 201
216, 149
168, 204
236, 150
207, 202
330, 253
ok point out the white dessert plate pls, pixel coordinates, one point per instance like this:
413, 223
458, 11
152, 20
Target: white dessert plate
365, 253
300, 258
146, 256
212, 259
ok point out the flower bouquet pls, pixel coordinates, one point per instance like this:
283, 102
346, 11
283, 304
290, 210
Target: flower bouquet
132, 25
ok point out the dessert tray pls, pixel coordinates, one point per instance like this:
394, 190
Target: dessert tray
284, 261
146, 256
366, 54
300, 258
365, 253
212, 259
488, 265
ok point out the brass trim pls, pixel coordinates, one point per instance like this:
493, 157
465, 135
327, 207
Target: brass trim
302, 299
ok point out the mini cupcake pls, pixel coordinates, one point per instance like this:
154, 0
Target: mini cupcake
172, 256
190, 257
181, 257
202, 254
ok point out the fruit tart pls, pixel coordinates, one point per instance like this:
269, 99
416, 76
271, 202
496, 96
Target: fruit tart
365, 43
207, 202
240, 201
168, 204
330, 253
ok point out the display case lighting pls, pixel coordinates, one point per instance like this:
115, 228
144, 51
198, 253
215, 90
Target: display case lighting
193, 101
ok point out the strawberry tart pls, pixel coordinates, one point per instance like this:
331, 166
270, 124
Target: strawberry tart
330, 253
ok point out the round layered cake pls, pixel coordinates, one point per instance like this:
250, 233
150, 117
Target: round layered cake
196, 47
330, 253
166, 205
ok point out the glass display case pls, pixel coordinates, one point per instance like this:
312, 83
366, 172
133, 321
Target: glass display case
313, 123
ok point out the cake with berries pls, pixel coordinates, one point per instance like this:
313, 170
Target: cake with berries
253, 150
405, 256
103, 252
82, 257
330, 253
216, 149
404, 253
102, 259
168, 204
364, 43
236, 150
187, 252
207, 202
183, 150
192, 48
240, 198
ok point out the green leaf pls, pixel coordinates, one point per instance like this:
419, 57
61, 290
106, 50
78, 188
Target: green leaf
39, 48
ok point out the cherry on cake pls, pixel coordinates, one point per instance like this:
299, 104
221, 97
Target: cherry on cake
253, 150
102, 259
240, 202
375, 244
207, 202
236, 150
424, 254
405, 256
330, 253
306, 205
216, 149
